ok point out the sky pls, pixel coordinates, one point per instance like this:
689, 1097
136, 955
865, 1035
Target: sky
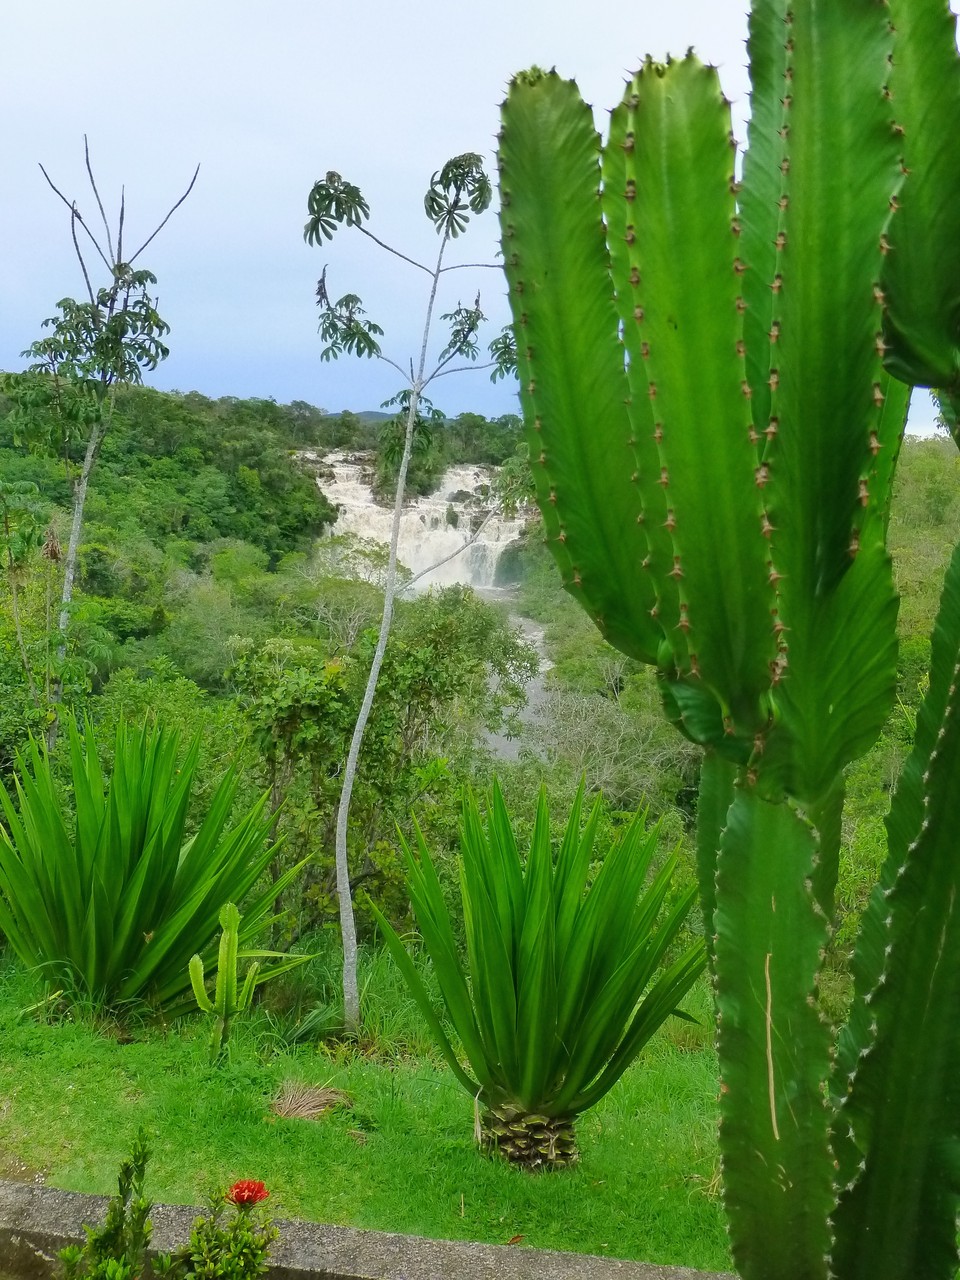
267, 98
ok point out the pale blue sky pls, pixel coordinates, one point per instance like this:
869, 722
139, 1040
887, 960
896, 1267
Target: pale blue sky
267, 98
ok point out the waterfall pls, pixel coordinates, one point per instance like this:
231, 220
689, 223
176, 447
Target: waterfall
431, 528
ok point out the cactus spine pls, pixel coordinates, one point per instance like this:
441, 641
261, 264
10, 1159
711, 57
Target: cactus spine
706, 377
226, 1003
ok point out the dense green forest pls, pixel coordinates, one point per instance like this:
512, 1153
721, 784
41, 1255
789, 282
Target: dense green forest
212, 597
208, 599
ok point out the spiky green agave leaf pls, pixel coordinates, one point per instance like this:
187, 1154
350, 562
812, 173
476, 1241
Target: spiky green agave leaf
575, 960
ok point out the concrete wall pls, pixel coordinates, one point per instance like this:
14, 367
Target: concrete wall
36, 1222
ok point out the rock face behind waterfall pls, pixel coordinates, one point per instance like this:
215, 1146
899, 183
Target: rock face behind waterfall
431, 528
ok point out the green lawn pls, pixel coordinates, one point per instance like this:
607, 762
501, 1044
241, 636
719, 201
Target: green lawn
401, 1159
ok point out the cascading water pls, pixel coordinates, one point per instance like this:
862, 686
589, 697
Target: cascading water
431, 528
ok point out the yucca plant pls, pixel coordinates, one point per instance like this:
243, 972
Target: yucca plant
706, 377
565, 978
109, 904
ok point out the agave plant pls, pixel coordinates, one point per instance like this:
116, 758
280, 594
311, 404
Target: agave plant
706, 377
110, 905
565, 980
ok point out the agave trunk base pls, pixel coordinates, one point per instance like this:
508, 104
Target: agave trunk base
534, 1142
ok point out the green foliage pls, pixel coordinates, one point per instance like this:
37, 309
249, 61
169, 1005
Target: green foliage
461, 185
233, 1239
118, 1249
108, 913
756, 501
452, 668
552, 1004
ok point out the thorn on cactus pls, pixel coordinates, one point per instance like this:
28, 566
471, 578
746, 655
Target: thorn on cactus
777, 283
774, 380
774, 332
878, 395
739, 266
746, 390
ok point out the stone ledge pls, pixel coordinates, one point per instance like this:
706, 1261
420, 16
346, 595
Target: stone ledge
36, 1222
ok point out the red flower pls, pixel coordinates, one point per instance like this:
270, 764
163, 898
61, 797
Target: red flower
246, 1192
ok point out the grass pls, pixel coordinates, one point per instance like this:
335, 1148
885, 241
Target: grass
400, 1158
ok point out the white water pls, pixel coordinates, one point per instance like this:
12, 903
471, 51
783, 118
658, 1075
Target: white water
426, 535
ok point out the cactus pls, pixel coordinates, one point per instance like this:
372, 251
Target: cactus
226, 1004
715, 377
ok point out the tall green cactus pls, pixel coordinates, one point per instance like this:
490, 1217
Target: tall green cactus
705, 370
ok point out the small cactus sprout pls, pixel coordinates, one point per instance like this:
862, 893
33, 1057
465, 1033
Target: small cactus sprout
226, 1004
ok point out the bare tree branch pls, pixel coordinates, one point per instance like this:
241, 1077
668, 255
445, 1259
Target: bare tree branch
72, 206
396, 252
74, 219
93, 184
123, 214
167, 218
462, 266
453, 554
441, 370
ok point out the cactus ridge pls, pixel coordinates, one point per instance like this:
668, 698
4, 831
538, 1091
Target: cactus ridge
546, 283
921, 272
772, 1040
910, 943
617, 198
682, 279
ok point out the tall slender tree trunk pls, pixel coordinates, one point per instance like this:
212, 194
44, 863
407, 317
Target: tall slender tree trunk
70, 569
348, 927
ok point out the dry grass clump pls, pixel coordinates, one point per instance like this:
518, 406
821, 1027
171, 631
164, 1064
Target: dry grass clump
297, 1101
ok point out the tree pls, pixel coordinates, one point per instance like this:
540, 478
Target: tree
93, 346
456, 191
